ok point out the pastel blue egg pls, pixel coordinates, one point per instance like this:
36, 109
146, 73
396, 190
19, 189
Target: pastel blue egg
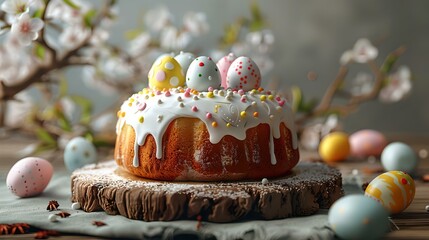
358, 217
78, 153
202, 74
400, 157
185, 59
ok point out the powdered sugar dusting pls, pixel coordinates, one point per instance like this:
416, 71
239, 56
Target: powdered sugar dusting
108, 174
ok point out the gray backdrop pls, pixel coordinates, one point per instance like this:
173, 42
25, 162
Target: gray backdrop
312, 35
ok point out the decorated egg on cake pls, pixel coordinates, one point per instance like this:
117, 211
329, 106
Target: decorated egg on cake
399, 156
223, 65
203, 74
185, 59
243, 74
395, 190
358, 217
166, 73
334, 147
29, 176
365, 143
78, 153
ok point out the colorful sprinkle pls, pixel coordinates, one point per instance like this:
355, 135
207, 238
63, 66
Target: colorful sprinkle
255, 114
141, 106
181, 105
141, 119
214, 124
243, 114
270, 97
209, 116
210, 95
228, 124
194, 109
263, 98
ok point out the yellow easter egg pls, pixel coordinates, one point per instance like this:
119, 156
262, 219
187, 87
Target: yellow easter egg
395, 190
166, 73
334, 147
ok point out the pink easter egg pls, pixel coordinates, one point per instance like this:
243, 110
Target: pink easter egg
223, 65
365, 143
243, 74
29, 176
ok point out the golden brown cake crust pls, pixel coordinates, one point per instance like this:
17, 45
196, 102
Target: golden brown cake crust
189, 155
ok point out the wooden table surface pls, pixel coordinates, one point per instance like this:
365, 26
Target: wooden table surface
413, 223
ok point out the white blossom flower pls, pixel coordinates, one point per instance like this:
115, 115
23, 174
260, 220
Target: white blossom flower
15, 7
399, 86
104, 123
362, 84
158, 18
195, 23
18, 111
99, 36
26, 28
117, 69
69, 108
140, 44
362, 52
96, 79
172, 39
73, 35
313, 134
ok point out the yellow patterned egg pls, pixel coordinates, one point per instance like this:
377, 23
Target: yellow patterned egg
334, 147
394, 190
166, 73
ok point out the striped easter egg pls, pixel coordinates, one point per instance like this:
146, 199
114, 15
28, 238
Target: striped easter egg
394, 190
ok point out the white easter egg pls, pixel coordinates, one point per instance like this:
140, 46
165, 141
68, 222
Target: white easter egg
223, 65
78, 153
185, 59
203, 74
358, 217
29, 176
399, 156
243, 74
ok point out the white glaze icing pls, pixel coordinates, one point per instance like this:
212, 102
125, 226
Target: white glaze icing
230, 113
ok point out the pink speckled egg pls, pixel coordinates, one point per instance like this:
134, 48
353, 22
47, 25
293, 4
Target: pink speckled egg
223, 65
365, 143
29, 176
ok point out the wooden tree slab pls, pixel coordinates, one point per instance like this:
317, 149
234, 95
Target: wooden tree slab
105, 186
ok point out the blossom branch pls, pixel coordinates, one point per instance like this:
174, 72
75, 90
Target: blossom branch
7, 92
325, 106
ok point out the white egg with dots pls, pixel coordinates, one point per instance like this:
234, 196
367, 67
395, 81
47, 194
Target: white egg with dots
243, 74
203, 74
29, 176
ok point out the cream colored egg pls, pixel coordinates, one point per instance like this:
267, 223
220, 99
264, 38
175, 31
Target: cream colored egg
166, 73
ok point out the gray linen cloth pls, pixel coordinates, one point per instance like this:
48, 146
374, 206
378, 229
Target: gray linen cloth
33, 211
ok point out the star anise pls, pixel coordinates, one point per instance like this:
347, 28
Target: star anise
44, 234
4, 229
63, 214
98, 223
52, 205
19, 228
